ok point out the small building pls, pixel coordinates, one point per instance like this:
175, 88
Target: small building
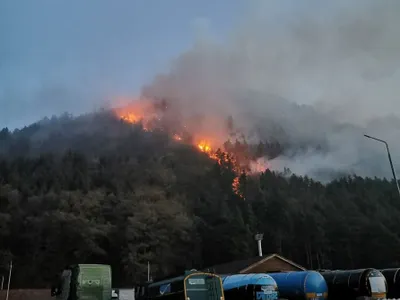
261, 264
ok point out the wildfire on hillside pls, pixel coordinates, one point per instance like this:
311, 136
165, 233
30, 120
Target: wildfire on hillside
236, 187
205, 147
148, 113
138, 112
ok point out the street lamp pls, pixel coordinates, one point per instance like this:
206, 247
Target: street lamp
390, 159
259, 237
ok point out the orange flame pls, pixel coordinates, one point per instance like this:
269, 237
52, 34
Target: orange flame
135, 112
131, 118
204, 147
236, 187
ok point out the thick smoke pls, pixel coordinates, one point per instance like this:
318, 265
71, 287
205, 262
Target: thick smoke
317, 76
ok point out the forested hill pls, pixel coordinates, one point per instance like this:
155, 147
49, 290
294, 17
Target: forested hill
94, 189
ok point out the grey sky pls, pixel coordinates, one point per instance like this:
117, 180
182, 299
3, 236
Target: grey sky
73, 55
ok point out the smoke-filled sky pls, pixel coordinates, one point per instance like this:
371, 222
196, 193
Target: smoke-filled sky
249, 59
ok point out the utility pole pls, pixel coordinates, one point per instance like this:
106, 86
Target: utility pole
9, 280
389, 157
148, 271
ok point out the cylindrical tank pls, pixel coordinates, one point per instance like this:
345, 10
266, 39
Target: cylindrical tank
350, 284
250, 287
301, 285
392, 277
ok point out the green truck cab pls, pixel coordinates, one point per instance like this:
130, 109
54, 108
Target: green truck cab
84, 282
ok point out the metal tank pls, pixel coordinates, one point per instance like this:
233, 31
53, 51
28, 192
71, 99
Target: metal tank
301, 285
392, 277
249, 287
352, 284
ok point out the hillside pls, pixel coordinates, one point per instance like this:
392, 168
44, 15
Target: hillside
98, 189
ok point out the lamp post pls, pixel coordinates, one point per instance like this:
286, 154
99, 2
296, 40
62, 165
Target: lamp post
390, 159
259, 237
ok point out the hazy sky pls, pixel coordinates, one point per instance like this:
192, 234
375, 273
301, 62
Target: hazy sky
71, 55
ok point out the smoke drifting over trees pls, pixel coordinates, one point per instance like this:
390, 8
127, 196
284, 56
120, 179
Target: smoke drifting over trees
315, 78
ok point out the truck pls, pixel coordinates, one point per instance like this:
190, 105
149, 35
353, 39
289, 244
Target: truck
83, 282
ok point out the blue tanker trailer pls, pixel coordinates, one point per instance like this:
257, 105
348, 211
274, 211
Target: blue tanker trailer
301, 285
392, 277
249, 287
354, 284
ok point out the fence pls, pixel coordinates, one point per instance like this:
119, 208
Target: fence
23, 294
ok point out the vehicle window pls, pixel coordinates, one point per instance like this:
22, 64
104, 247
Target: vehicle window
377, 285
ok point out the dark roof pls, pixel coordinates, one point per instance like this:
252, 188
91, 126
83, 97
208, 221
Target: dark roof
239, 266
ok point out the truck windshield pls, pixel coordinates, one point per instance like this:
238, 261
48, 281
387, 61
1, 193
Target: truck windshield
378, 285
203, 287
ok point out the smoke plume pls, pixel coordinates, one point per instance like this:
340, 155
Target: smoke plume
315, 77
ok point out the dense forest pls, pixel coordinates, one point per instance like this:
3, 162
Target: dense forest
95, 189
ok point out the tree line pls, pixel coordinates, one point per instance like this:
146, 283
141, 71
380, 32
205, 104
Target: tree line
96, 190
